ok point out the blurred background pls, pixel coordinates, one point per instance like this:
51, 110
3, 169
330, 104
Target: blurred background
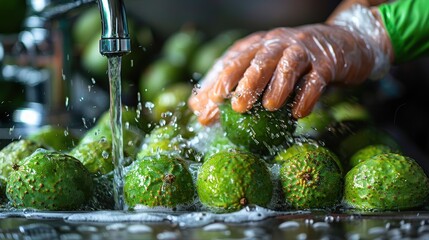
63, 81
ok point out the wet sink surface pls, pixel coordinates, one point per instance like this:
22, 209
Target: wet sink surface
200, 225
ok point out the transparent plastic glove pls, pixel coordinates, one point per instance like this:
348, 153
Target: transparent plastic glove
298, 62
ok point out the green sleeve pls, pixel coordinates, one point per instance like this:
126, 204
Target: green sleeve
407, 23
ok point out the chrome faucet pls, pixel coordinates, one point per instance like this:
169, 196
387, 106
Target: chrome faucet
41, 54
115, 38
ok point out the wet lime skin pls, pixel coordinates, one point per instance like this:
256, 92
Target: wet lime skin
49, 180
230, 180
387, 181
258, 130
158, 180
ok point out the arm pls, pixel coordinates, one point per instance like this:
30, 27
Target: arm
348, 3
407, 24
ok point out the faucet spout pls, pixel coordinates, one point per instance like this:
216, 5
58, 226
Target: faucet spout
115, 38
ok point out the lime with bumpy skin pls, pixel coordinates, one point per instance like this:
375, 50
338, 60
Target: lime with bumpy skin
387, 181
172, 100
166, 139
361, 138
96, 156
54, 137
369, 152
14, 152
132, 137
231, 180
49, 180
311, 180
298, 148
158, 181
258, 130
131, 119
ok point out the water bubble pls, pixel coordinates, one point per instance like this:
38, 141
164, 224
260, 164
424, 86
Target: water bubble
65, 228
86, 228
320, 225
376, 230
301, 236
215, 227
329, 219
139, 228
116, 226
309, 221
250, 208
395, 233
353, 236
167, 235
70, 236
255, 233
288, 225
406, 226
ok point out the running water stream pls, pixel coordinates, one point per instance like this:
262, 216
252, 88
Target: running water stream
114, 72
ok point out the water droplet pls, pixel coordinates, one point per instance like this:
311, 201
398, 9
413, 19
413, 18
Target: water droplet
93, 80
329, 219
149, 106
67, 101
66, 133
84, 122
105, 154
250, 208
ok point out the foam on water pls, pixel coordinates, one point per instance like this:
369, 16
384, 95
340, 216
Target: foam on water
183, 219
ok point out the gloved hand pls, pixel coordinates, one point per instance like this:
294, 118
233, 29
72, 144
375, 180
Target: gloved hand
302, 60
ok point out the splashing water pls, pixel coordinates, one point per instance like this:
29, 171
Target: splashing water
114, 70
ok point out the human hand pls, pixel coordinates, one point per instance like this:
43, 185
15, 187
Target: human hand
283, 62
